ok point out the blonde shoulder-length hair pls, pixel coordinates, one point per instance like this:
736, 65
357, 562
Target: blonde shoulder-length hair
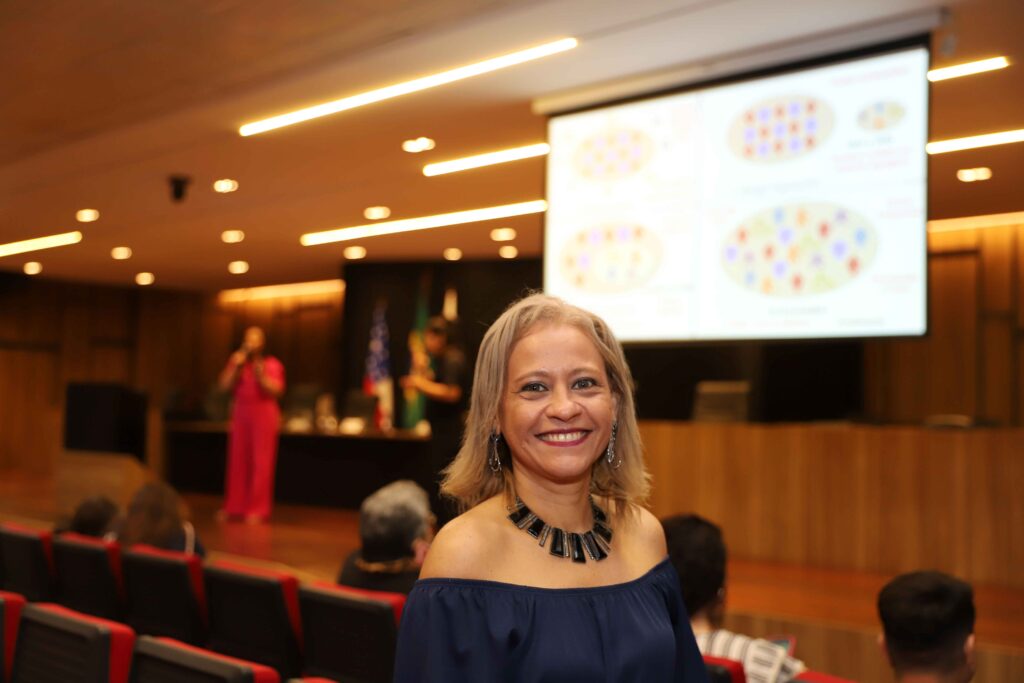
469, 479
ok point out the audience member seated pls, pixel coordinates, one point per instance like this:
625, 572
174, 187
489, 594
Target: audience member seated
395, 528
157, 516
95, 516
928, 628
696, 548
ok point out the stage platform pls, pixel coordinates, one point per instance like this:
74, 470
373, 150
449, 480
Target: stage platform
830, 612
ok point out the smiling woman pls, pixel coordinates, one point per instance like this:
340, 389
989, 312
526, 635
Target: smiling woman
551, 473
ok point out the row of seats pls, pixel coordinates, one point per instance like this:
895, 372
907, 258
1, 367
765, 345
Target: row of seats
255, 615
55, 644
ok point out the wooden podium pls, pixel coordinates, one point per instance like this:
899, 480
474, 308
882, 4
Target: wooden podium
81, 474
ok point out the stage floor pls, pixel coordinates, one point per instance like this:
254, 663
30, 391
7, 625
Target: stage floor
831, 612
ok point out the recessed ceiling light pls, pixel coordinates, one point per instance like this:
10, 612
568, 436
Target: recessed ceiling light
971, 175
423, 222
975, 141
121, 253
87, 215
238, 267
225, 185
489, 159
503, 234
232, 236
354, 253
418, 145
407, 87
145, 279
968, 69
37, 243
508, 251
33, 268
452, 254
376, 213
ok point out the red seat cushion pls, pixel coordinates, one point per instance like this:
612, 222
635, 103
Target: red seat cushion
260, 673
734, 668
10, 613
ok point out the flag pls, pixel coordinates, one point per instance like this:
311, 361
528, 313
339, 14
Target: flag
414, 403
377, 378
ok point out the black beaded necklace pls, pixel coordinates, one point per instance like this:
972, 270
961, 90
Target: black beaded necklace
596, 542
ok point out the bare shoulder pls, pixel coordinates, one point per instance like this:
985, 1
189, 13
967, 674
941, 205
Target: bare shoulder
646, 536
467, 546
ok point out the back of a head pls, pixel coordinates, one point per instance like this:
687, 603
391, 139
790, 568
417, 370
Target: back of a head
927, 618
391, 518
94, 516
697, 550
154, 515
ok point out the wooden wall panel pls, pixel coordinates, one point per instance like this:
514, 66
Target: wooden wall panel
885, 499
970, 362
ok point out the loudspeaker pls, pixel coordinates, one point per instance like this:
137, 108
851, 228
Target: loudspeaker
103, 417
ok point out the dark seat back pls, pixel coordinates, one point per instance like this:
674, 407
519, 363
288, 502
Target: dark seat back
27, 555
724, 670
165, 593
89, 575
163, 660
350, 633
254, 615
58, 645
11, 605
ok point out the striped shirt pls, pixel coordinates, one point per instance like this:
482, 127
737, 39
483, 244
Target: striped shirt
763, 662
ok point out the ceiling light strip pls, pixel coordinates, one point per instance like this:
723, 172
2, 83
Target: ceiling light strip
968, 69
37, 243
407, 87
489, 159
423, 223
975, 141
317, 287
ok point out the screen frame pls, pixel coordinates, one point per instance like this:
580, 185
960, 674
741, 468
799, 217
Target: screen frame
917, 41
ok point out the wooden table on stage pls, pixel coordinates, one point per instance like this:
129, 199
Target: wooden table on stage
337, 470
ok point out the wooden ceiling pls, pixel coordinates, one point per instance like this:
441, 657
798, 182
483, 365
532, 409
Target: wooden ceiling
110, 98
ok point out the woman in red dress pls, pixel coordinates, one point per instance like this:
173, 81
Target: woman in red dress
257, 382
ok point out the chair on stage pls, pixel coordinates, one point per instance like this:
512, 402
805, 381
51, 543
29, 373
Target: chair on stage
89, 575
165, 593
254, 615
350, 633
11, 605
59, 644
818, 677
27, 556
722, 670
162, 660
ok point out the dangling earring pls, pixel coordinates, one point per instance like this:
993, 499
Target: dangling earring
493, 457
609, 453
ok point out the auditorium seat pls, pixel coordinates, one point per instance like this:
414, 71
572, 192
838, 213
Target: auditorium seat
165, 593
11, 605
350, 633
89, 575
163, 660
28, 561
818, 677
58, 645
254, 615
724, 670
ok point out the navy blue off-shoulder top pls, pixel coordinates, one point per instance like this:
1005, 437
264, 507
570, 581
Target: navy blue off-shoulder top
459, 630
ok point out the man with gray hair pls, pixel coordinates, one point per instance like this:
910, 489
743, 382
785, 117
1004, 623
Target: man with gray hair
395, 528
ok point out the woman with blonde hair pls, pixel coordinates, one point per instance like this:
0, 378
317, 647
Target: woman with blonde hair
554, 571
